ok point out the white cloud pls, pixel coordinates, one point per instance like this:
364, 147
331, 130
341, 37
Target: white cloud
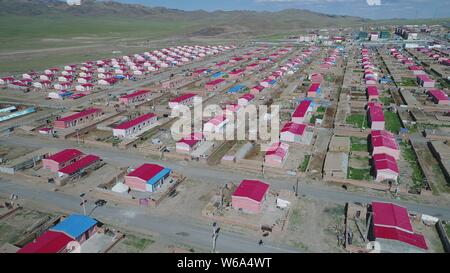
373, 2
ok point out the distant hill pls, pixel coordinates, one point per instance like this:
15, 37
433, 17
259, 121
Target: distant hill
253, 21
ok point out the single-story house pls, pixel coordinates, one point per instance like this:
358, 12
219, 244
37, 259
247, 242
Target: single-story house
215, 124
77, 118
147, 177
185, 99
292, 132
189, 143
256, 89
391, 228
80, 165
134, 127
301, 112
212, 85
78, 227
250, 195
372, 93
438, 96
276, 154
245, 99
61, 159
385, 167
314, 90
136, 96
383, 142
376, 117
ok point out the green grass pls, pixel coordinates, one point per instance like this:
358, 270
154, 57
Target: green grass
392, 122
314, 117
137, 243
358, 144
20, 32
417, 174
321, 109
46, 32
359, 174
304, 164
408, 82
387, 100
447, 229
357, 120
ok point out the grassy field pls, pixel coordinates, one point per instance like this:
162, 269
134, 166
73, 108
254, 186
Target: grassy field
356, 120
408, 82
417, 174
359, 174
52, 41
392, 122
304, 164
358, 144
387, 100
19, 32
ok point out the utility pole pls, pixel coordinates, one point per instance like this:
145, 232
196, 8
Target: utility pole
296, 188
78, 137
83, 202
215, 234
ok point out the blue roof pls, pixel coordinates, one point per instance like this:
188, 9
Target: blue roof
218, 74
75, 225
272, 82
119, 77
160, 175
236, 88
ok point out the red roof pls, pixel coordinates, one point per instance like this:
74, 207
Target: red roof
135, 94
192, 139
438, 94
237, 71
79, 114
48, 242
217, 120
302, 108
384, 162
128, 124
80, 164
295, 128
65, 155
376, 113
183, 97
252, 189
258, 87
314, 87
383, 138
146, 171
280, 149
247, 97
372, 90
220, 63
392, 222
415, 67
215, 82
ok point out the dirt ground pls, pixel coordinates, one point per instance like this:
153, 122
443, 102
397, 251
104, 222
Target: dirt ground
13, 226
311, 226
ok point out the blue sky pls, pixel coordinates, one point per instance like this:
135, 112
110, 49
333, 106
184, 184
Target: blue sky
365, 8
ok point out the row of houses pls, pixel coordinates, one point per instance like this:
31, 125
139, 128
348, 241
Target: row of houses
438, 96
69, 162
84, 77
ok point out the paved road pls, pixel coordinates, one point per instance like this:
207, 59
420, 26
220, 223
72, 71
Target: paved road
213, 175
171, 229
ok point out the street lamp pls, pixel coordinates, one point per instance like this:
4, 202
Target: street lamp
83, 202
215, 234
